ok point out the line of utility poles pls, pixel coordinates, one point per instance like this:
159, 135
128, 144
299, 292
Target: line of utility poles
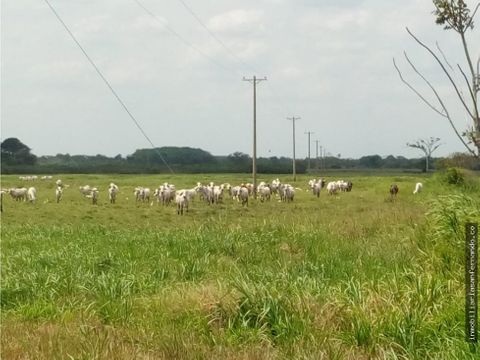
254, 81
293, 119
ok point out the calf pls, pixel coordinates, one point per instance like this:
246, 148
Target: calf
393, 191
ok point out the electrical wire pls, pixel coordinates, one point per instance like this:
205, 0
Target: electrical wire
229, 51
107, 83
180, 37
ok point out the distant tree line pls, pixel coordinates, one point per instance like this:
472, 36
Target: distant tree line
16, 158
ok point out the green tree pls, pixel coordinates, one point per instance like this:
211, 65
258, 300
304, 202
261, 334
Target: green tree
371, 161
14, 152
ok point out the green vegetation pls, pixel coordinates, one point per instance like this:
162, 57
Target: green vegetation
356, 276
17, 159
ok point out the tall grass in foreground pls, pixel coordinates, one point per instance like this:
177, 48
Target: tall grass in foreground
267, 282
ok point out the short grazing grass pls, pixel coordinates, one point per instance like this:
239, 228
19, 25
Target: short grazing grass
356, 276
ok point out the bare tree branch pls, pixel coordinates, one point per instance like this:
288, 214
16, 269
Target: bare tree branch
416, 92
425, 79
445, 113
444, 57
468, 85
473, 15
444, 70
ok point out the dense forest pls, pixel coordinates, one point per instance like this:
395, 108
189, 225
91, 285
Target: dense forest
16, 158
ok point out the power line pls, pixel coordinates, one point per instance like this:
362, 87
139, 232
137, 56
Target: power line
181, 38
108, 84
215, 37
228, 50
189, 44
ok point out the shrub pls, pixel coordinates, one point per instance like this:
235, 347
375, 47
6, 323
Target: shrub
454, 176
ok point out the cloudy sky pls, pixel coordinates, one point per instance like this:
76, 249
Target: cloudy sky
327, 61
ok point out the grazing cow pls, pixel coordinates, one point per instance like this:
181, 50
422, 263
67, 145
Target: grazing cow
393, 191
32, 194
18, 194
85, 190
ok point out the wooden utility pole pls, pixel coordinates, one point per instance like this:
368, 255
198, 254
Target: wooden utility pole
294, 171
309, 133
254, 81
316, 153
321, 158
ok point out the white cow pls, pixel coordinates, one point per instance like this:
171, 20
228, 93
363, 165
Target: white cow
418, 188
58, 194
315, 186
182, 203
264, 192
86, 190
189, 193
18, 194
217, 193
112, 192
32, 194
243, 195
234, 192
142, 194
289, 193
275, 185
332, 188
205, 192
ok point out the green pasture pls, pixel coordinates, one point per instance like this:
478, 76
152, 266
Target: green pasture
353, 276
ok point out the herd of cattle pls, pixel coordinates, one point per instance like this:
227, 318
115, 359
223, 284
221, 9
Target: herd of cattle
211, 193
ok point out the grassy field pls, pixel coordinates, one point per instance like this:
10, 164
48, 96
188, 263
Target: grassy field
355, 276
